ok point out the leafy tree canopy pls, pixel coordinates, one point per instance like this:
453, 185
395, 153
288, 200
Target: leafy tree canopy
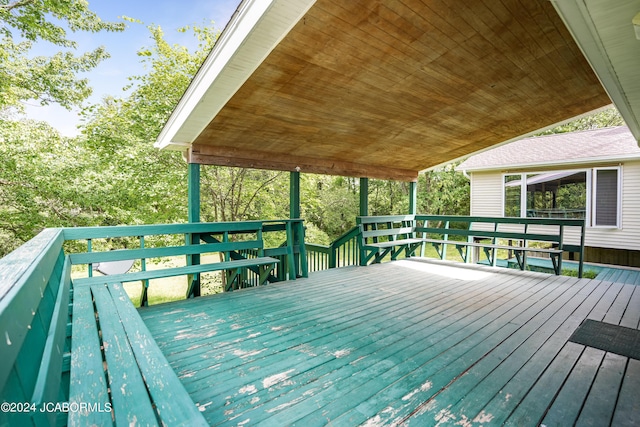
46, 78
607, 117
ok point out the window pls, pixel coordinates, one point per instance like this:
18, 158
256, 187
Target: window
606, 197
592, 194
512, 198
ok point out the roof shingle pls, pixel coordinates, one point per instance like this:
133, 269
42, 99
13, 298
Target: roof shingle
565, 148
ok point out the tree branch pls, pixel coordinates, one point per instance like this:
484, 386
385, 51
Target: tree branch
20, 3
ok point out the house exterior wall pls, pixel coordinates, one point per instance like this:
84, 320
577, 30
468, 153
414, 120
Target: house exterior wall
487, 200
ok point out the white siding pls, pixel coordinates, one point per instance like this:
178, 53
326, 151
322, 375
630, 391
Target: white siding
628, 236
487, 195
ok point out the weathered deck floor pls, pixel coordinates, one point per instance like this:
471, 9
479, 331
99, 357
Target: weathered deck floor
406, 342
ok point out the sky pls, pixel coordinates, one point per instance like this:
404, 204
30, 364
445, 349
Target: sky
111, 75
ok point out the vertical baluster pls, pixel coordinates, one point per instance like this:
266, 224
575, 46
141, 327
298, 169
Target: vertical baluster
90, 265
145, 283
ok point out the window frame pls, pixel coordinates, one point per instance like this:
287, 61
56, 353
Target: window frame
594, 196
591, 196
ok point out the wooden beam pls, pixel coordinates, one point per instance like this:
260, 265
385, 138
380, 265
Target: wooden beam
225, 156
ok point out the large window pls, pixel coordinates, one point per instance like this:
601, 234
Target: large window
592, 194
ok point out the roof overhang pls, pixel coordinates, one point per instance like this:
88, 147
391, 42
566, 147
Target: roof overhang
573, 164
606, 35
253, 31
381, 89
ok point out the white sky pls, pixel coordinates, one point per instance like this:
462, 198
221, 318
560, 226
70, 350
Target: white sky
111, 75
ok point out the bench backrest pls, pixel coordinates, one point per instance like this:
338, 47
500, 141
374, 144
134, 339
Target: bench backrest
34, 317
548, 230
218, 237
385, 228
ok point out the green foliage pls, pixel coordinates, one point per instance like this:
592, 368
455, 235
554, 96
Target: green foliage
606, 118
41, 183
111, 174
234, 194
388, 197
330, 204
53, 78
443, 191
586, 274
144, 184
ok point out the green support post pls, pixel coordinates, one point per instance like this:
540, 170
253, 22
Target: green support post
293, 232
364, 196
194, 216
294, 195
194, 192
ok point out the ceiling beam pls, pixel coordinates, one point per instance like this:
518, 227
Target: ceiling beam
224, 156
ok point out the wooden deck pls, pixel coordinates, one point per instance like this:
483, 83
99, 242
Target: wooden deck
410, 342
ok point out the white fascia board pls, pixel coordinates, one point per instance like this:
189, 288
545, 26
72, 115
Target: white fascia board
576, 17
564, 163
253, 32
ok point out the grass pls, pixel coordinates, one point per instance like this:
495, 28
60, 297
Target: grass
165, 289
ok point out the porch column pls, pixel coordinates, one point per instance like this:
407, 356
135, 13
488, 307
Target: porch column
294, 195
194, 192
413, 198
364, 196
193, 187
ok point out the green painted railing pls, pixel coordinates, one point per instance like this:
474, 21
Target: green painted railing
342, 252
36, 291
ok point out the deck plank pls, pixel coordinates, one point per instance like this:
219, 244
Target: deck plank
600, 404
408, 341
631, 317
370, 378
628, 406
465, 398
531, 408
566, 407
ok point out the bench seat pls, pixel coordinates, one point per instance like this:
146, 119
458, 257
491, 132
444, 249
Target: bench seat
393, 243
265, 265
518, 250
117, 367
382, 235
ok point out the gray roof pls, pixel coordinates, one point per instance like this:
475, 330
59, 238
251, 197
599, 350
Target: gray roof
592, 146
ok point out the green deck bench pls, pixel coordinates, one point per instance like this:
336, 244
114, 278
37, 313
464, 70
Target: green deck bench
217, 240
382, 235
67, 345
393, 234
112, 349
485, 233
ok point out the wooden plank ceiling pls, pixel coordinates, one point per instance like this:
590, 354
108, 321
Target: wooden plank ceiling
386, 88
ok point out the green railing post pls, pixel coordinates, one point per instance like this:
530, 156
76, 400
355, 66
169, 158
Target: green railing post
304, 268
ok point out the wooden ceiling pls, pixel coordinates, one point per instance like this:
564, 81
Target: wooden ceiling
386, 88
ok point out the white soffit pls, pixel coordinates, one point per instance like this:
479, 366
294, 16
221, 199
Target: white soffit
253, 32
604, 31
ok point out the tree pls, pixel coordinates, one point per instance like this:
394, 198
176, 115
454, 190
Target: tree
47, 79
605, 118
43, 183
443, 191
138, 182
